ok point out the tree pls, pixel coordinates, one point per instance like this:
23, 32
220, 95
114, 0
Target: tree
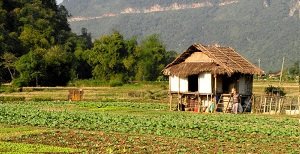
31, 67
58, 66
106, 57
152, 58
9, 60
42, 67
37, 31
294, 70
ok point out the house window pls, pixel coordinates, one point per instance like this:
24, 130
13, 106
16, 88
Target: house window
193, 83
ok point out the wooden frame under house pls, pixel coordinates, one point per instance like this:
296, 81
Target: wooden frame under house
203, 76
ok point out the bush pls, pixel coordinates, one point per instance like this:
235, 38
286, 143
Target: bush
115, 83
11, 99
9, 89
271, 90
19, 82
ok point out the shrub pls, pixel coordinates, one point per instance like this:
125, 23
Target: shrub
271, 90
115, 83
11, 99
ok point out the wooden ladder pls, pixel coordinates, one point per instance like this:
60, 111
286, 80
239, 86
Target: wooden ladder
248, 105
224, 103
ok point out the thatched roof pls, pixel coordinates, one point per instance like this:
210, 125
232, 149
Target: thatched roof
224, 60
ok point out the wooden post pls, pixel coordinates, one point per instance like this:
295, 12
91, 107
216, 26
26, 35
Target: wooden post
265, 105
270, 108
252, 103
281, 73
276, 104
170, 83
170, 93
179, 96
199, 104
279, 106
215, 91
171, 98
291, 106
179, 101
299, 103
260, 104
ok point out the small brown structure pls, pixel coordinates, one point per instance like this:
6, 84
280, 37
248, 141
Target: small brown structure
209, 73
75, 95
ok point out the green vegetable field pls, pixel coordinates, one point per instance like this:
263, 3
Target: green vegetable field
125, 127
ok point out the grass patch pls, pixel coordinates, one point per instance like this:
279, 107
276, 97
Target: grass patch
7, 131
9, 147
12, 131
41, 99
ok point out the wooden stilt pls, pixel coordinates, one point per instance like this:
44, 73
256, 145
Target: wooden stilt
252, 103
199, 103
170, 93
171, 99
179, 101
291, 106
276, 102
215, 91
299, 99
179, 96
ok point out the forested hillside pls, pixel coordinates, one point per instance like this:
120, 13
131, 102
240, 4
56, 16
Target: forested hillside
259, 29
37, 48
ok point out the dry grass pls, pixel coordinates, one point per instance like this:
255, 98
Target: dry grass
132, 92
291, 88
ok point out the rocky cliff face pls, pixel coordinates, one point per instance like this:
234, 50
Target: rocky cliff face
157, 8
267, 3
295, 8
176, 6
265, 29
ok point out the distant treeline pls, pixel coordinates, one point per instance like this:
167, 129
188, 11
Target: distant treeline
37, 48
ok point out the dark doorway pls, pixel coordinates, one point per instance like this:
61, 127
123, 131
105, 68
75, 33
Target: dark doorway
229, 83
193, 83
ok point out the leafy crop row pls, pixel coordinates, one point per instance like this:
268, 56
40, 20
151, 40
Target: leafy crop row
203, 127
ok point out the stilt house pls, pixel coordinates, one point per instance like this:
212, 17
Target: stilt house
208, 73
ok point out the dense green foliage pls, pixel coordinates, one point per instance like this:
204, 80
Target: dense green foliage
268, 33
35, 43
116, 59
38, 49
294, 70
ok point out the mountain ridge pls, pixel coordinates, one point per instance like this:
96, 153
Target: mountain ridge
264, 29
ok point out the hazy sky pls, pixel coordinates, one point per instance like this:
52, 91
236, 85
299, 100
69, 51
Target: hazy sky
59, 1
